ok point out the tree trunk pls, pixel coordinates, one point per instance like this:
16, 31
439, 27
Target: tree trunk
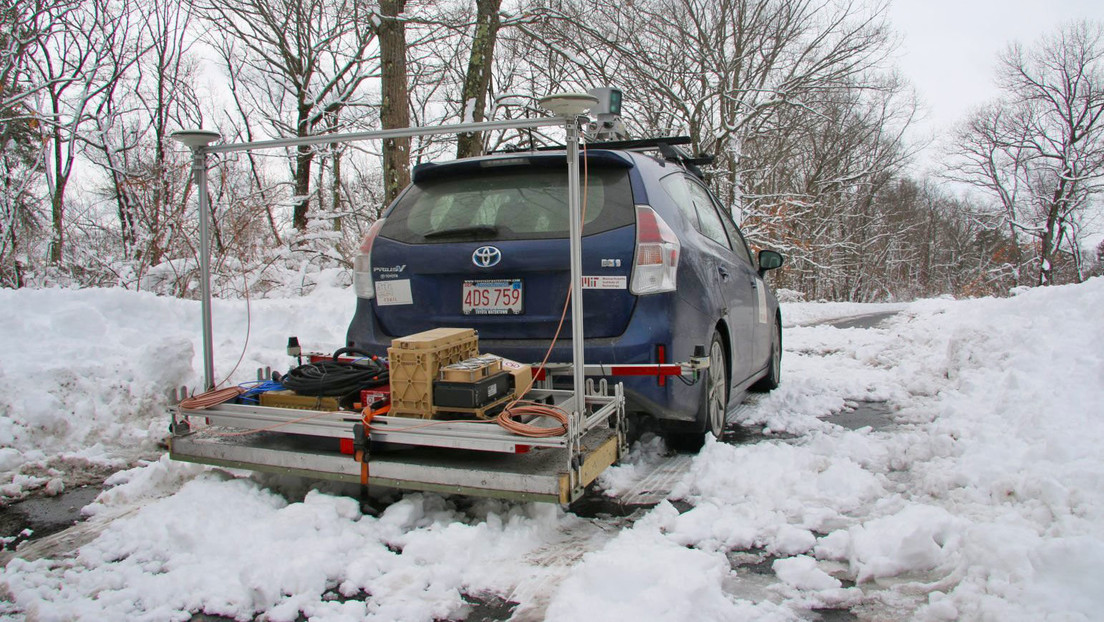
478, 79
303, 159
57, 198
1048, 241
394, 109
57, 212
333, 117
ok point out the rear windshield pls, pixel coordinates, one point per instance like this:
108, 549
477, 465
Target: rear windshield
510, 203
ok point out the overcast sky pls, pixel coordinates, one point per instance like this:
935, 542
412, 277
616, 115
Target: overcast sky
949, 48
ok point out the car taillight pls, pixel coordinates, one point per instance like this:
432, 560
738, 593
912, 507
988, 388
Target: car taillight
362, 265
655, 263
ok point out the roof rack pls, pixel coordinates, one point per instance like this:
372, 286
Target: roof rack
668, 146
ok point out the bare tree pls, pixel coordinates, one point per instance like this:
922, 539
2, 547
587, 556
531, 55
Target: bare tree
131, 138
722, 69
478, 77
394, 107
23, 28
79, 65
298, 62
1039, 150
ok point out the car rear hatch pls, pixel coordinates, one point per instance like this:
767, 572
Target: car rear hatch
483, 243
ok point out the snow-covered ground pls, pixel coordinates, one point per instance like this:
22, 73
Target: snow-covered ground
984, 499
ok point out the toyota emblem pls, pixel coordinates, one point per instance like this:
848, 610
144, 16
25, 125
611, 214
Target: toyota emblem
486, 256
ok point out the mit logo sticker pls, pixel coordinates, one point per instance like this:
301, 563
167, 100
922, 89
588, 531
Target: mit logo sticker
605, 282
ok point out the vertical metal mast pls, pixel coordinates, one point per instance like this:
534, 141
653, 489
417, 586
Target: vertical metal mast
575, 231
199, 169
198, 140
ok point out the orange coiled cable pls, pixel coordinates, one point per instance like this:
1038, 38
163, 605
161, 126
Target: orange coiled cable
506, 420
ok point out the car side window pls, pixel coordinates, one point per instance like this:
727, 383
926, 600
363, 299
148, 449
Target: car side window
739, 244
711, 225
676, 186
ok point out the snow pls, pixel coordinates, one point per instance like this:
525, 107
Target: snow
984, 498
90, 370
802, 573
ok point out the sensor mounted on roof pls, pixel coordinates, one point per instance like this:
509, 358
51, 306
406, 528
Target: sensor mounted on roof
568, 104
609, 102
607, 124
194, 139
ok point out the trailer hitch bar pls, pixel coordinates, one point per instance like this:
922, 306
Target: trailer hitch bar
691, 368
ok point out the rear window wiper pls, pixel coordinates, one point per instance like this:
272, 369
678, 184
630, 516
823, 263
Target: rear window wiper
462, 231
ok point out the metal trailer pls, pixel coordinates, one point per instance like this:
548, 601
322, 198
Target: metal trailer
466, 457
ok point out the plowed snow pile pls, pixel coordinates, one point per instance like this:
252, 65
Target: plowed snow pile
983, 500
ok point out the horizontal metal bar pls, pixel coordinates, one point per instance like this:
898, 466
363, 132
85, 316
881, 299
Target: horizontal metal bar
628, 369
406, 132
538, 475
458, 435
600, 415
332, 424
475, 435
526, 473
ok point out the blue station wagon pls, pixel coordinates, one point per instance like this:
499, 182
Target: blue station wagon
483, 243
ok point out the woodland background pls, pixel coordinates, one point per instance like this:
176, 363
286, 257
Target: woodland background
799, 101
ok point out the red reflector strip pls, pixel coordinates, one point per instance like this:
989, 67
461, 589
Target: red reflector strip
646, 370
659, 370
347, 447
522, 449
318, 357
661, 357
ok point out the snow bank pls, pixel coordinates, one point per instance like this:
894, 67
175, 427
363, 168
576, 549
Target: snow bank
89, 371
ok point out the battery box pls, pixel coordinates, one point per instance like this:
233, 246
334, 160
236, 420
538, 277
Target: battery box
475, 394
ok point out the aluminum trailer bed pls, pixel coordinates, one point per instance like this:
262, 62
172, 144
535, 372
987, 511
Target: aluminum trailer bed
476, 458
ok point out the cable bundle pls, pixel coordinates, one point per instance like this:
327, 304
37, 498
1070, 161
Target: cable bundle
336, 378
214, 397
523, 408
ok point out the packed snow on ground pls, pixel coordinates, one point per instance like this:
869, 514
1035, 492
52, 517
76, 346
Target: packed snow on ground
984, 500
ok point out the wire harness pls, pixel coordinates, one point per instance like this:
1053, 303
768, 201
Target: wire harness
335, 377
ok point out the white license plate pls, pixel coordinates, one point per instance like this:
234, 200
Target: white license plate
502, 297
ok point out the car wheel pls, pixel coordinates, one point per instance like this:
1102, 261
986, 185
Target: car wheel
774, 370
716, 392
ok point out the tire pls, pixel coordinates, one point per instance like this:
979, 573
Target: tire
715, 407
713, 411
774, 369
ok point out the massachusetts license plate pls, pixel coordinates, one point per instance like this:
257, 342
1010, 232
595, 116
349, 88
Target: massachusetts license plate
502, 297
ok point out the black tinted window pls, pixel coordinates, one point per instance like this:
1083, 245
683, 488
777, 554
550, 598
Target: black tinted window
739, 244
711, 225
515, 203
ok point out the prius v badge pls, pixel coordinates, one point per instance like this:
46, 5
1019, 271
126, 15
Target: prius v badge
486, 256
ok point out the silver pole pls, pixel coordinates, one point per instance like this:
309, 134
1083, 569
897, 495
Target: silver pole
347, 137
576, 249
199, 169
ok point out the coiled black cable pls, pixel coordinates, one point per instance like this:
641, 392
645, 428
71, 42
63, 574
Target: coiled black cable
336, 378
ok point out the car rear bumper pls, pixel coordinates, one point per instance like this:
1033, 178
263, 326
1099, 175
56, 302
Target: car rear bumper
657, 321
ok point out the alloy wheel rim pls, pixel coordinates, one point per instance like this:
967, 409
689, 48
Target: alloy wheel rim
776, 356
716, 390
